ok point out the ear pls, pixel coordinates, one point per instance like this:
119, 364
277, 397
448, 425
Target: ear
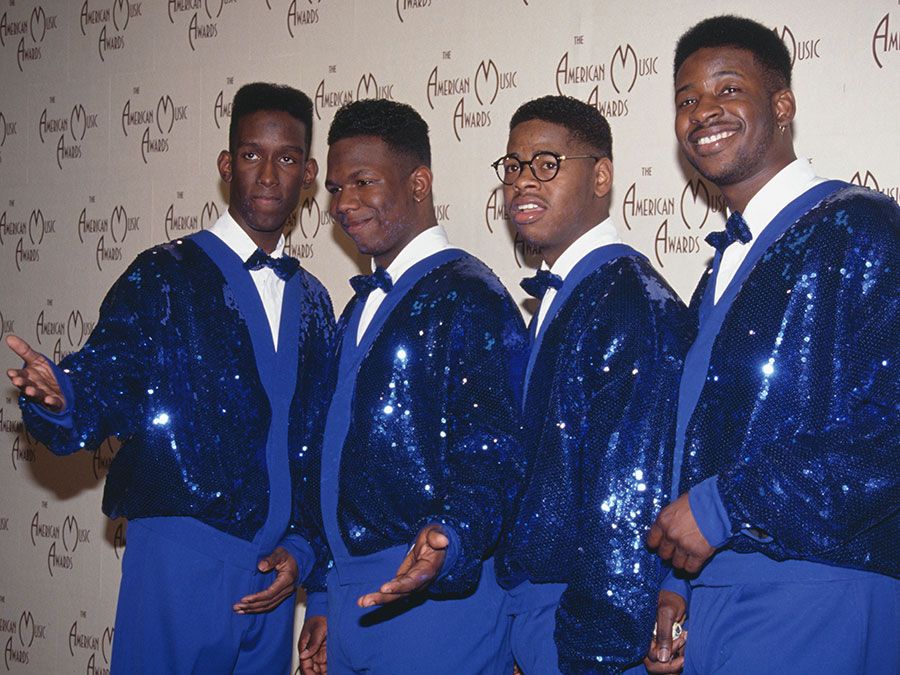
224, 164
310, 171
784, 106
603, 177
420, 181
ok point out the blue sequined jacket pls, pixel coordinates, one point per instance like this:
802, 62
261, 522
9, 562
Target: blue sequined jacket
434, 427
599, 416
798, 415
170, 370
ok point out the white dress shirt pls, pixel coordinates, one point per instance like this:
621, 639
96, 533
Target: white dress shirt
426, 243
600, 235
784, 187
269, 286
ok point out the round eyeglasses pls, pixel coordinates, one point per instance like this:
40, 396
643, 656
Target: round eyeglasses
544, 166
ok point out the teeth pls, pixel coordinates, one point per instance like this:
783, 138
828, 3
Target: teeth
528, 207
715, 137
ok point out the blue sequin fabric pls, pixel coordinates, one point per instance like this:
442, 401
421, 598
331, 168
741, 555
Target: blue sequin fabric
170, 370
435, 424
798, 415
599, 418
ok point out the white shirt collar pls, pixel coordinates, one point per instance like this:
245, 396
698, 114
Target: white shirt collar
600, 235
783, 188
426, 243
233, 235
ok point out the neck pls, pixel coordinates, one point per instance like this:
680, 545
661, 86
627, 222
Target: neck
550, 254
428, 221
265, 240
738, 195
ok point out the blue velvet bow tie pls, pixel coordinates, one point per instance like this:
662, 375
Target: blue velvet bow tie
735, 230
284, 267
537, 285
364, 284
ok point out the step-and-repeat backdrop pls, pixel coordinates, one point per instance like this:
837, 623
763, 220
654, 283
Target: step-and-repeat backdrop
112, 113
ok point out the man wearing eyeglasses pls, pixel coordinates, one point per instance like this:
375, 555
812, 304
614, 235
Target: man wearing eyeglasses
599, 404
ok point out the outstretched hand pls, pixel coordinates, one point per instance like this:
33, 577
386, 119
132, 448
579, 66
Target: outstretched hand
36, 379
419, 568
676, 536
281, 588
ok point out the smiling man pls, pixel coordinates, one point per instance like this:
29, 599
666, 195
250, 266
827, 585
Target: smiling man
421, 444
208, 362
599, 408
786, 446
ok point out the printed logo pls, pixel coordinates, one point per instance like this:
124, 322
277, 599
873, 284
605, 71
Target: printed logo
119, 539
367, 86
7, 128
111, 232
64, 540
182, 224
477, 92
626, 67
221, 109
30, 29
22, 634
112, 22
71, 128
154, 123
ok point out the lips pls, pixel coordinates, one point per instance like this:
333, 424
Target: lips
710, 140
525, 210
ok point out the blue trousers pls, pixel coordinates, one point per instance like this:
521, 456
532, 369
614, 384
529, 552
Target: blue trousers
180, 579
840, 627
460, 636
531, 609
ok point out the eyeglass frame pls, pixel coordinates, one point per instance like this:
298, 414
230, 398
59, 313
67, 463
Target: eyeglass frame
559, 160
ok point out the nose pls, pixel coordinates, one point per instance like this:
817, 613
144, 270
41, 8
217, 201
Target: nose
526, 179
705, 109
268, 174
342, 202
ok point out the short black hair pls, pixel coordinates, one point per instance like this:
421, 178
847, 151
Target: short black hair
583, 121
258, 96
397, 124
768, 50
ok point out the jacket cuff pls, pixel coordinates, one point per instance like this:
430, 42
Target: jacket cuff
709, 512
64, 417
303, 554
678, 585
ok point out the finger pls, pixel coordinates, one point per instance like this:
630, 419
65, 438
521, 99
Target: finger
407, 563
437, 540
673, 666
680, 559
22, 349
315, 638
372, 599
654, 539
666, 549
267, 564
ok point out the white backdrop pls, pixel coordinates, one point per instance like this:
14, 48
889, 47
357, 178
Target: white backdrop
112, 114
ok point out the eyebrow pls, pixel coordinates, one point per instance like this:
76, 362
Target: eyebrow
718, 73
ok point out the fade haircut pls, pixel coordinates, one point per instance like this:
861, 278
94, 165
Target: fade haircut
258, 96
769, 50
397, 124
583, 122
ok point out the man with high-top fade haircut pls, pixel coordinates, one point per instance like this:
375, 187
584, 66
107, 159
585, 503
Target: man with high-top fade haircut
208, 362
786, 458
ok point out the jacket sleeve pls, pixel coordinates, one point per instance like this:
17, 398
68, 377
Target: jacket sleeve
633, 354
829, 472
106, 381
487, 353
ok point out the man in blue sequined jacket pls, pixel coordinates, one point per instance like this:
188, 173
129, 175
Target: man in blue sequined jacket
787, 437
422, 438
209, 362
608, 340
